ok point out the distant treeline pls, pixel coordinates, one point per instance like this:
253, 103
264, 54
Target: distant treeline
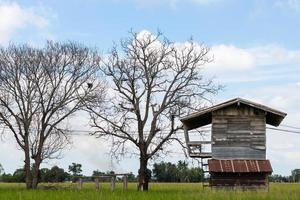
56, 174
294, 177
161, 172
169, 172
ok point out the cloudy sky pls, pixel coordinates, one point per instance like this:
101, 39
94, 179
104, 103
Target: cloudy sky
255, 45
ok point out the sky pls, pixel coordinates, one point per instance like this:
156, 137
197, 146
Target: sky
254, 44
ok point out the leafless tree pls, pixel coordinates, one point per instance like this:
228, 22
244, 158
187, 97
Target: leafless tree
152, 80
40, 88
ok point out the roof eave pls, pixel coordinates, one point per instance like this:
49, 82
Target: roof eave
278, 116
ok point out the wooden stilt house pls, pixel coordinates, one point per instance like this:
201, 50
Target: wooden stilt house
238, 142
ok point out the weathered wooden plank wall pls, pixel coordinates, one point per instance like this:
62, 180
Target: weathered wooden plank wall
239, 132
236, 180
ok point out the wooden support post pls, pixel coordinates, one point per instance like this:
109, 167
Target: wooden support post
125, 182
80, 183
97, 182
186, 134
113, 183
268, 183
187, 139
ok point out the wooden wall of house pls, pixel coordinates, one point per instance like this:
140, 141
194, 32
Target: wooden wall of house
222, 179
239, 132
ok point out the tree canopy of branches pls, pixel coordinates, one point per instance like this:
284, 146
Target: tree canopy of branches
40, 88
152, 80
75, 169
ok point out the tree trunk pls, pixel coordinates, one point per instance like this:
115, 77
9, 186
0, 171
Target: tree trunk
143, 175
28, 177
35, 174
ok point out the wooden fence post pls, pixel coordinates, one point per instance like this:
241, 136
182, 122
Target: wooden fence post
113, 183
97, 182
125, 182
80, 183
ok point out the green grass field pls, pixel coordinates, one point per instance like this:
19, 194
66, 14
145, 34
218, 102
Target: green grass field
172, 191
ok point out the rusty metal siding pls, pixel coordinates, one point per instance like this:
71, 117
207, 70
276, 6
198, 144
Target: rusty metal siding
240, 166
239, 132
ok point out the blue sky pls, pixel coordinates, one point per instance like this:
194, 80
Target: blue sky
243, 23
255, 44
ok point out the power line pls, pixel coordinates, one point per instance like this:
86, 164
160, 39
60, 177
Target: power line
284, 130
78, 132
191, 131
276, 129
288, 126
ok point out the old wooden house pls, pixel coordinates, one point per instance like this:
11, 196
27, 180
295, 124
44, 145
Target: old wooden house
237, 156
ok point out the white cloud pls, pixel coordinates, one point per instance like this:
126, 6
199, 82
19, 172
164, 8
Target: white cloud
225, 57
298, 83
147, 36
205, 2
284, 97
293, 155
173, 3
229, 57
154, 3
233, 58
13, 17
288, 4
274, 54
234, 64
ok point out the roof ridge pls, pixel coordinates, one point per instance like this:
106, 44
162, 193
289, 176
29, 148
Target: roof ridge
231, 101
207, 111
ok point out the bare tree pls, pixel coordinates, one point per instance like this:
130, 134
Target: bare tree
39, 89
153, 80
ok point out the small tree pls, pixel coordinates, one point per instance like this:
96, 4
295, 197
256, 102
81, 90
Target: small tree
131, 177
1, 169
75, 169
196, 174
296, 175
19, 175
97, 173
40, 88
153, 80
58, 174
183, 171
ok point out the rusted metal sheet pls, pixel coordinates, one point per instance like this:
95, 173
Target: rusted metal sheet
240, 166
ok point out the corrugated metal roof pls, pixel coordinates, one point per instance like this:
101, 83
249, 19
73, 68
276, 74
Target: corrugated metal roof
239, 166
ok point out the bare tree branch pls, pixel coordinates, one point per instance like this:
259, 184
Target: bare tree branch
152, 81
39, 89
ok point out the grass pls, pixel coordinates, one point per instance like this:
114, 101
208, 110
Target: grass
163, 191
